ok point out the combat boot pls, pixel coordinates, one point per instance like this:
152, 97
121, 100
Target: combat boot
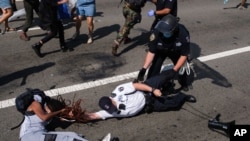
127, 40
114, 50
37, 48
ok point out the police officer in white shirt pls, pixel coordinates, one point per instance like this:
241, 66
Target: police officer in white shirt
129, 99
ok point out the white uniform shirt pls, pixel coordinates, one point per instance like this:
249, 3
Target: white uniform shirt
126, 94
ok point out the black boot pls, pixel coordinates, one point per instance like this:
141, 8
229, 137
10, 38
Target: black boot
190, 98
63, 48
127, 40
37, 48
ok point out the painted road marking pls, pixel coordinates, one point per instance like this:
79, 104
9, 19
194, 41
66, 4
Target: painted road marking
101, 82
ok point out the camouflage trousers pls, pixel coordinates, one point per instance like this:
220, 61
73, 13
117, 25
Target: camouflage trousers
131, 18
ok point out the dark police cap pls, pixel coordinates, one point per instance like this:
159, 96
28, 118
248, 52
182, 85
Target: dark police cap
106, 104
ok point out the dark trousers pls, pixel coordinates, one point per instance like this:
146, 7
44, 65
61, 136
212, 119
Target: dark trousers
55, 28
164, 103
158, 61
168, 102
29, 6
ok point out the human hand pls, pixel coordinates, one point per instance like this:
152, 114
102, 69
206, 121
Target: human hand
62, 110
71, 114
151, 13
157, 93
168, 74
141, 74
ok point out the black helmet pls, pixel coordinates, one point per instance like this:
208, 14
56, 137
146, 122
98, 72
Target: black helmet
167, 24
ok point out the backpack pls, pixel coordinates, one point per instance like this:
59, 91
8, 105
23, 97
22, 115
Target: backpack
24, 100
136, 3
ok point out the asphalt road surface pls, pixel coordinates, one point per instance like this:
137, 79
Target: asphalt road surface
220, 48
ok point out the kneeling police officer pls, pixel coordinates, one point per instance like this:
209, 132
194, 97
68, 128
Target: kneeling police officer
168, 39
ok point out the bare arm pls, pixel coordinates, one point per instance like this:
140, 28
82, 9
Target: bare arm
92, 116
180, 62
164, 11
62, 2
38, 110
148, 59
144, 87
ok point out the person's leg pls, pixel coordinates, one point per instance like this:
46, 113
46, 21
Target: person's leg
6, 26
167, 103
28, 21
90, 24
6, 13
183, 79
131, 18
90, 13
158, 81
61, 36
80, 12
13, 5
36, 6
242, 4
78, 24
51, 34
37, 47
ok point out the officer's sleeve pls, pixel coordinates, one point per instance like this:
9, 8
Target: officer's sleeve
169, 4
152, 45
185, 50
185, 39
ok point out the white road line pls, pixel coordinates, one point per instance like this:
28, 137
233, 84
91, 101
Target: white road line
92, 84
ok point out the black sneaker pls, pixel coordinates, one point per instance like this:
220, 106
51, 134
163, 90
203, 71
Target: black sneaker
184, 88
190, 98
70, 49
115, 139
63, 48
37, 48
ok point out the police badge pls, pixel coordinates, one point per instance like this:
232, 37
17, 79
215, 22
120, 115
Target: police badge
152, 37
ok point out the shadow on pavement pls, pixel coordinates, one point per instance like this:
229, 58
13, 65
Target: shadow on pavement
24, 73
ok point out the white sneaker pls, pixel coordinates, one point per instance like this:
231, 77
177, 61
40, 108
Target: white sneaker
90, 40
75, 35
241, 8
107, 137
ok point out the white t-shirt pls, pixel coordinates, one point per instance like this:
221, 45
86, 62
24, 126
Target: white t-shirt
126, 94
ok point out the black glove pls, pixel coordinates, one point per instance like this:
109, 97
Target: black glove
141, 74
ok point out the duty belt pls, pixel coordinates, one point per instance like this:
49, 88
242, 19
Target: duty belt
149, 103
